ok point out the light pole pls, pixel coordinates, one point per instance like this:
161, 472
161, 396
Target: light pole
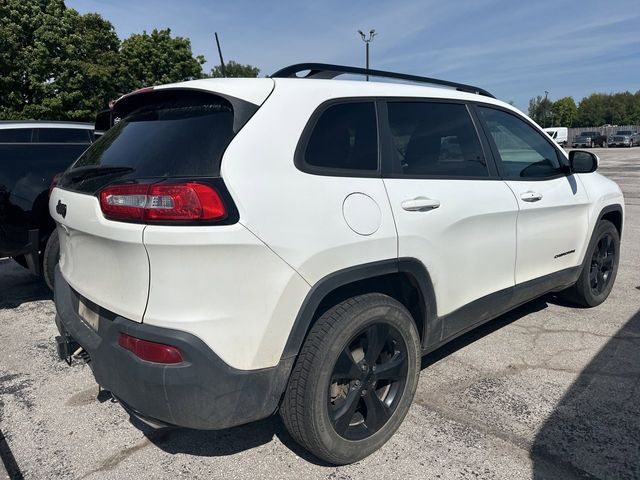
367, 41
544, 115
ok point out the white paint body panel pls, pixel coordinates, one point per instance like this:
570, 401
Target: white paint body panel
555, 224
104, 261
225, 286
468, 244
297, 214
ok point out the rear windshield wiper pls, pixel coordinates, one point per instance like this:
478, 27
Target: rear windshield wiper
92, 172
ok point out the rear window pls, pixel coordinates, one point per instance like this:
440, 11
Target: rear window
63, 135
185, 137
15, 135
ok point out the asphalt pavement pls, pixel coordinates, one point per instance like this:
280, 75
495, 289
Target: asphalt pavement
547, 391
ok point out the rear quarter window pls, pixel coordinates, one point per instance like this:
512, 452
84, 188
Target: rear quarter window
341, 139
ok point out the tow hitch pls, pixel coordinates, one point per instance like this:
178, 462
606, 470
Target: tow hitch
68, 349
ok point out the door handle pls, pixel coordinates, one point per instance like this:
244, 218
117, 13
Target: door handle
531, 196
420, 204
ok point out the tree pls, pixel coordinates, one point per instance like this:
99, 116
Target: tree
234, 69
564, 112
156, 58
54, 62
540, 110
592, 110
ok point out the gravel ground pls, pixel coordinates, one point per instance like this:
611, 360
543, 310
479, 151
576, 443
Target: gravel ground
546, 391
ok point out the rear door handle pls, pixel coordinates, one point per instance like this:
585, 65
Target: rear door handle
531, 196
420, 204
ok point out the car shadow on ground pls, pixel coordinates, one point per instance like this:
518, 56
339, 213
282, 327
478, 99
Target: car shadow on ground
235, 440
594, 431
18, 286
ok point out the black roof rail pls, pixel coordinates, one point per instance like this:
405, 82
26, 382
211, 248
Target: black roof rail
328, 71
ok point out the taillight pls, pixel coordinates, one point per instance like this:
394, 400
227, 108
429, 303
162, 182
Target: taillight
189, 201
150, 351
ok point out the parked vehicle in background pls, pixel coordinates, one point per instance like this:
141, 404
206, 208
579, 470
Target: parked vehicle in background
559, 134
31, 153
589, 140
216, 270
624, 138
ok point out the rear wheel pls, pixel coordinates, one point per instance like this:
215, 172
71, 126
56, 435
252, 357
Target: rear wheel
50, 258
354, 380
599, 269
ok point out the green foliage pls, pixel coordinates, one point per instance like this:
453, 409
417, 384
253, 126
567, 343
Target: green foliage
156, 58
564, 112
593, 111
234, 69
56, 64
540, 110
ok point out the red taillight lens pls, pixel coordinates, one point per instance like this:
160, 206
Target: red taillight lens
150, 351
189, 201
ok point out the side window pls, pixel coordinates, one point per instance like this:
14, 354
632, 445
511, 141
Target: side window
63, 135
345, 137
15, 135
524, 152
435, 139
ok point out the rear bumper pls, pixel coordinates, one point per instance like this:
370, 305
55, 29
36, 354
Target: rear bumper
203, 392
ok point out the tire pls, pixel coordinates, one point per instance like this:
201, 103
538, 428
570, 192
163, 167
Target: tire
340, 420
598, 271
50, 259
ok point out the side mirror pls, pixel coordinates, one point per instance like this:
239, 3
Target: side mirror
583, 162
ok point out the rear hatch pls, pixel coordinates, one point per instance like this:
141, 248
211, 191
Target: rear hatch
159, 164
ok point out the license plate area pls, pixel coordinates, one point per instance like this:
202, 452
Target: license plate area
89, 313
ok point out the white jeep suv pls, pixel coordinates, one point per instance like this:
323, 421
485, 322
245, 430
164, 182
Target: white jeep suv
236, 247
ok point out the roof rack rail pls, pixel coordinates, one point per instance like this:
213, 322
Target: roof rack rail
328, 71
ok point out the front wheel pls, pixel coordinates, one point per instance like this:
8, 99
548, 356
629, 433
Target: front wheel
354, 379
599, 268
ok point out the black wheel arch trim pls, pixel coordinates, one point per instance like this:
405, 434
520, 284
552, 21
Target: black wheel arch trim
614, 207
432, 327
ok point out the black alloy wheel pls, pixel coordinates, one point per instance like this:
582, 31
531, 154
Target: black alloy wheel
354, 379
602, 262
367, 381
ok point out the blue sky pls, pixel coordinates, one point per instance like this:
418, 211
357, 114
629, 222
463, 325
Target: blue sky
514, 49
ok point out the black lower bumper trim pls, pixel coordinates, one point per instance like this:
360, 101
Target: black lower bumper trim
203, 392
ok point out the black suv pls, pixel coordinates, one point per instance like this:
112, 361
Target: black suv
31, 154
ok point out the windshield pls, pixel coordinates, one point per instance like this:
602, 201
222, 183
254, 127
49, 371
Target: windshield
624, 132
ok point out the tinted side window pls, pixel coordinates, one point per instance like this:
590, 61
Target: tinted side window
524, 152
63, 135
435, 139
15, 135
344, 137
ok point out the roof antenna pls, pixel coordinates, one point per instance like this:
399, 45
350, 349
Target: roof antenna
222, 67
